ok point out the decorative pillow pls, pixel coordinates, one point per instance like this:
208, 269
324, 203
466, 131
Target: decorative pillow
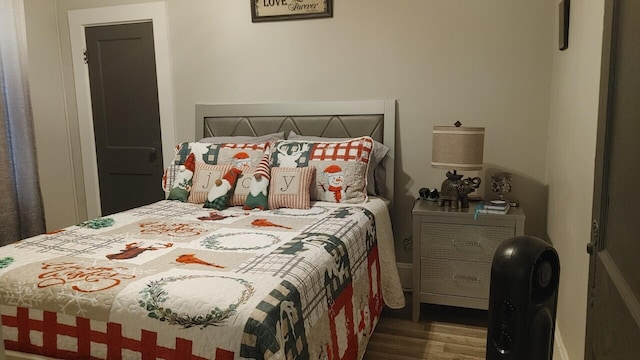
169, 177
181, 184
289, 187
243, 184
243, 139
244, 180
239, 155
258, 192
218, 196
204, 179
341, 166
376, 171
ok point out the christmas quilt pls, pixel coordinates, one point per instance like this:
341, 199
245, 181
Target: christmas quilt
174, 280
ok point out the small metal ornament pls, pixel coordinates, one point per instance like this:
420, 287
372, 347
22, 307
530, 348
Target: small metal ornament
501, 184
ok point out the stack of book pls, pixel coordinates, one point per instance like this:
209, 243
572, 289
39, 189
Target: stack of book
493, 207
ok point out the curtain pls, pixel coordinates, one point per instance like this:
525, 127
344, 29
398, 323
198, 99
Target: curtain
21, 211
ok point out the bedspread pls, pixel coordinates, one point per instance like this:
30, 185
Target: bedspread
176, 281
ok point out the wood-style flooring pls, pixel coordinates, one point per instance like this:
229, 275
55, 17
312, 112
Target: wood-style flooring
442, 333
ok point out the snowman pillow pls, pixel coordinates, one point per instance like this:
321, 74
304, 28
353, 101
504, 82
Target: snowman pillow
340, 166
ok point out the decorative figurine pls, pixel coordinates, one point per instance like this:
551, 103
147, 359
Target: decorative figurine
455, 189
501, 184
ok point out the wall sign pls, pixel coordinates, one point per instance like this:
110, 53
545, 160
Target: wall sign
275, 10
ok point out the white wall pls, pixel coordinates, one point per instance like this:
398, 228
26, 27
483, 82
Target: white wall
570, 164
484, 63
491, 63
61, 194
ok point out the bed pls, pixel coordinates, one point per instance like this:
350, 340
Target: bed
177, 280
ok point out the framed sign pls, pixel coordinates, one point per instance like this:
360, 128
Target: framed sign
275, 10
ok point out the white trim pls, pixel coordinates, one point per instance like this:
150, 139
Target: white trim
456, 166
459, 132
78, 20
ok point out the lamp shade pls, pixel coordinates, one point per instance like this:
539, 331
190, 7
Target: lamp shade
457, 148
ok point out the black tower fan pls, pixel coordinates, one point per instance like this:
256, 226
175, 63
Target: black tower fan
522, 300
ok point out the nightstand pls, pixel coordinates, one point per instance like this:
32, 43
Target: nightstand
452, 253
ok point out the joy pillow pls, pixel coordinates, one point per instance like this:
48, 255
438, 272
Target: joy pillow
204, 179
289, 187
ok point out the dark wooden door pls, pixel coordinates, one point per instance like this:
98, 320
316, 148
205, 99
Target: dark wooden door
126, 117
613, 310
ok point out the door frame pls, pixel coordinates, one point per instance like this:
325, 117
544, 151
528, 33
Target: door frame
596, 247
598, 209
112, 15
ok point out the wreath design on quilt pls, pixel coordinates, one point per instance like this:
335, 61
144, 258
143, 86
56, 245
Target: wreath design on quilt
154, 295
213, 242
314, 211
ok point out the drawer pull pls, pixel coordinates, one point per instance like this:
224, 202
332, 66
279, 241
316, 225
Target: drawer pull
455, 242
465, 279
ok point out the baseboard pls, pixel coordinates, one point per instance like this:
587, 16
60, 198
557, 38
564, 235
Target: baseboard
405, 270
559, 351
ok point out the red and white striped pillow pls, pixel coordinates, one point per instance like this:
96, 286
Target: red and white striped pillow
289, 187
241, 190
204, 178
244, 181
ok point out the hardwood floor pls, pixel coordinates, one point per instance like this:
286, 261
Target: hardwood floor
442, 333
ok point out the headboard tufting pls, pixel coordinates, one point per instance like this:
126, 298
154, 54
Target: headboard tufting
327, 119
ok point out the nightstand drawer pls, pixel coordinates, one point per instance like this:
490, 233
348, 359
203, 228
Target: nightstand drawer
462, 242
453, 251
458, 278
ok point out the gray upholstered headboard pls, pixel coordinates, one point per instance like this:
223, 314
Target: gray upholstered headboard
329, 119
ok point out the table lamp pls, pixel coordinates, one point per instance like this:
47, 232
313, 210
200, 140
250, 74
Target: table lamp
457, 148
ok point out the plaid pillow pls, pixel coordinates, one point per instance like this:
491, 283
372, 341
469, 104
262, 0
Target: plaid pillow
239, 155
376, 172
341, 166
177, 180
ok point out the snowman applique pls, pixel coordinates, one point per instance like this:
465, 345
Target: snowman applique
241, 161
334, 187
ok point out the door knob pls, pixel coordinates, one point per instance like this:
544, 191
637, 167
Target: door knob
153, 154
595, 235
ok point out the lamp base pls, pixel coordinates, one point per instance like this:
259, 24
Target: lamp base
456, 189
